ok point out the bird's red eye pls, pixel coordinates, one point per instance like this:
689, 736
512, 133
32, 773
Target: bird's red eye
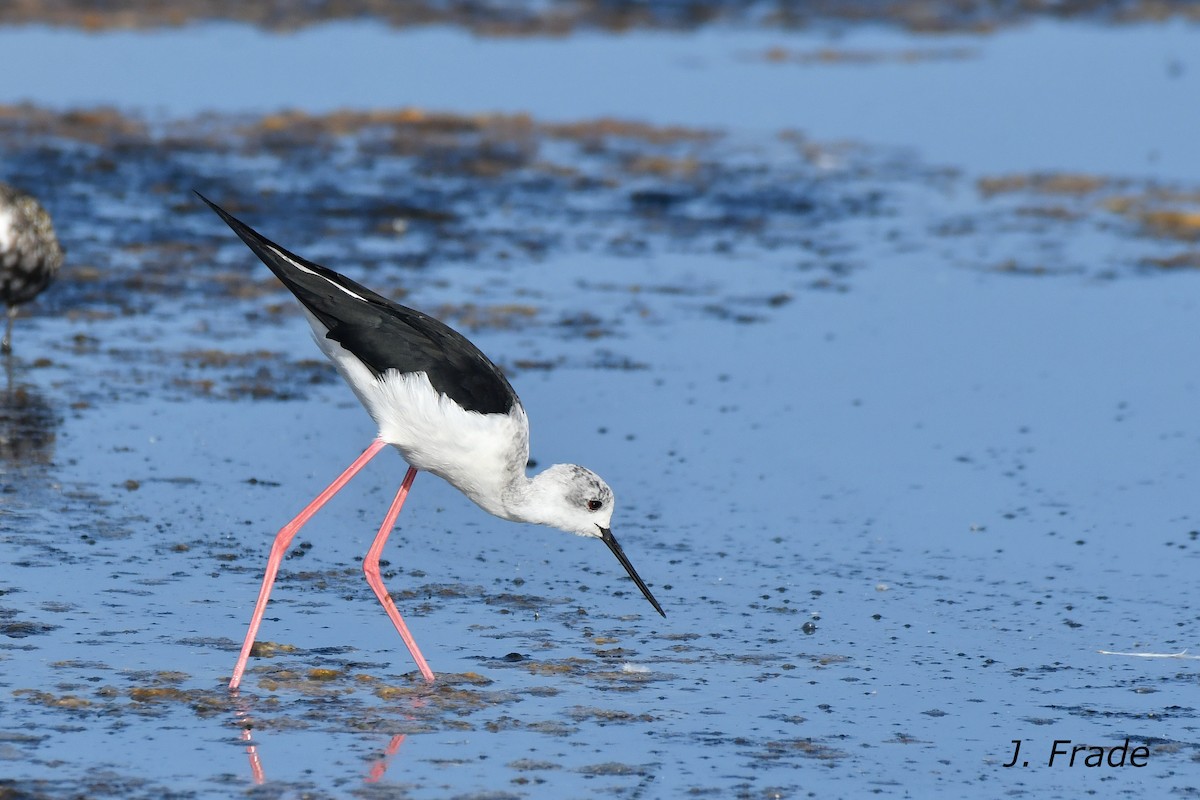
594, 505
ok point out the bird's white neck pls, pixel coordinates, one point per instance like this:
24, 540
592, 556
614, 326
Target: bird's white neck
524, 499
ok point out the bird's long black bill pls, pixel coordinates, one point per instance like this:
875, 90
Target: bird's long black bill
610, 540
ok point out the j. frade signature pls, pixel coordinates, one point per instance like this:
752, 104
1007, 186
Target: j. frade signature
1065, 753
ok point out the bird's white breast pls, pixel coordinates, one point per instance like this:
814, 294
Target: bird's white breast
7, 232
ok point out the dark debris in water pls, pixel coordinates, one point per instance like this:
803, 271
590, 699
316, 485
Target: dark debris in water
99, 783
378, 195
381, 194
19, 629
417, 162
1053, 209
529, 18
1151, 210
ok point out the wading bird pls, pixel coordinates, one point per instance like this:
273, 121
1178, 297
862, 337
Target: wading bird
439, 401
29, 253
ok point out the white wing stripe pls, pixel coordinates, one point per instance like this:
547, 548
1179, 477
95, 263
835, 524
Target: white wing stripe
303, 268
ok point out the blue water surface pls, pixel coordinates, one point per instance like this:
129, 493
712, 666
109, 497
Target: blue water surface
1116, 100
894, 497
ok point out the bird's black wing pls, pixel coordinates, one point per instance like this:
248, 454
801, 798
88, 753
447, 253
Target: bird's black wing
381, 333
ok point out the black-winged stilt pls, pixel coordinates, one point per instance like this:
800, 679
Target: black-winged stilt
439, 401
29, 253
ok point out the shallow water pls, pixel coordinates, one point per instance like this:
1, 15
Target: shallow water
898, 451
1120, 100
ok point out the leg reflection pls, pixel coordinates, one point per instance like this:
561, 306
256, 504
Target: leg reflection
379, 766
256, 767
241, 713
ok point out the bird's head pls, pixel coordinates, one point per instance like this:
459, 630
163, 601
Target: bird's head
577, 500
573, 499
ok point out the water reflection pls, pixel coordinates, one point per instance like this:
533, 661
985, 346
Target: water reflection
380, 766
256, 767
28, 423
242, 714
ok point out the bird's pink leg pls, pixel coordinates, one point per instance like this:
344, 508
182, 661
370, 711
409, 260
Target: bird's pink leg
371, 570
282, 540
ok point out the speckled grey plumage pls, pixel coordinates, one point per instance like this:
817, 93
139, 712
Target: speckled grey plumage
30, 255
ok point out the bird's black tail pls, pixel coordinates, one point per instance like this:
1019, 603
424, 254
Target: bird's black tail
312, 283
